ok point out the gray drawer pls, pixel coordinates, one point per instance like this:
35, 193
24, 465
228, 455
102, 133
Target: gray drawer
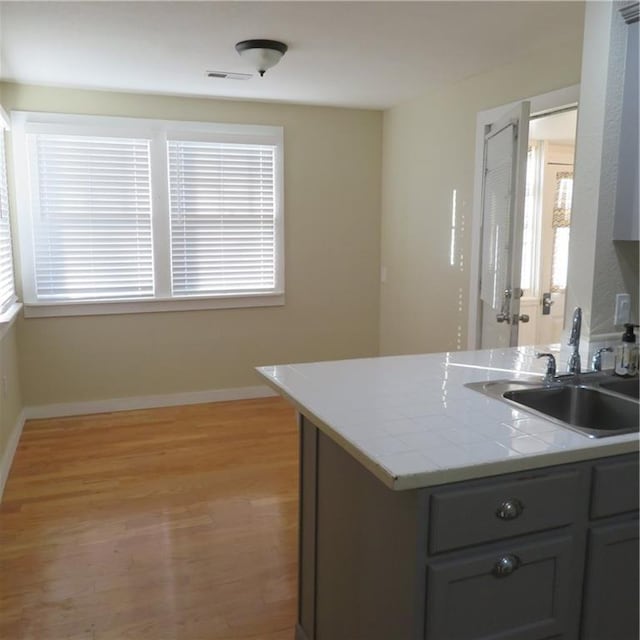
470, 597
470, 516
615, 487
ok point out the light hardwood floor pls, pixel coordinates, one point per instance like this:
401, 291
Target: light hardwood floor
176, 523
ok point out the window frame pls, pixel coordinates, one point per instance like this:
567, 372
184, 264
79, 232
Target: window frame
8, 314
158, 132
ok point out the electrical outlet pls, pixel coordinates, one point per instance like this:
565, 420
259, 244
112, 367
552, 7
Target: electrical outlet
5, 387
623, 309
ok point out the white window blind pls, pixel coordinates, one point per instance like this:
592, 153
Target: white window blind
222, 218
92, 218
130, 215
561, 224
7, 288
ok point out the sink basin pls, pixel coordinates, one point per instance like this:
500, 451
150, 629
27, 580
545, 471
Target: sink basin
591, 405
626, 386
584, 408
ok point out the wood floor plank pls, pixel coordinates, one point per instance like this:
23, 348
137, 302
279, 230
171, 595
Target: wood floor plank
177, 523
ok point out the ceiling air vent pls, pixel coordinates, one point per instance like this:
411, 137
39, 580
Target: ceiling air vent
228, 75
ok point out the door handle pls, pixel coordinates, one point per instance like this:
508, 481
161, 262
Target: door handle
505, 317
505, 311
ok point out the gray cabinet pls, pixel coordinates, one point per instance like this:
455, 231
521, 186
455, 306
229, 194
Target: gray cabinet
506, 556
626, 225
546, 554
615, 487
610, 609
516, 591
611, 595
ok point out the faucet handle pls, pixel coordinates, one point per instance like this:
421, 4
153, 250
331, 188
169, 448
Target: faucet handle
550, 373
596, 362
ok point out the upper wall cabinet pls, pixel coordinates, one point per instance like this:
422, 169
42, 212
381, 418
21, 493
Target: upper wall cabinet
626, 215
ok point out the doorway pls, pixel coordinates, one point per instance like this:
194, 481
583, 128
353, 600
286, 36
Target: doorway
501, 248
547, 225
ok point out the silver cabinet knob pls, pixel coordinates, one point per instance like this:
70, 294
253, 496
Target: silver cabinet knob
503, 317
506, 565
509, 509
524, 318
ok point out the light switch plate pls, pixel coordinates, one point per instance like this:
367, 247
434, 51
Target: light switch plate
623, 309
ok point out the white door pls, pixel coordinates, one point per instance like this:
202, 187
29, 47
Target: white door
503, 195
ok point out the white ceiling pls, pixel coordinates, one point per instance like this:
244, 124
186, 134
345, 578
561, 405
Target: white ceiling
356, 54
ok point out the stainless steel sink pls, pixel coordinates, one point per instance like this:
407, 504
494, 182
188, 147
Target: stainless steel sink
626, 386
584, 408
590, 409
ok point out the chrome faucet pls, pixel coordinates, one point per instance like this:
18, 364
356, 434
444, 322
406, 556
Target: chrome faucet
573, 365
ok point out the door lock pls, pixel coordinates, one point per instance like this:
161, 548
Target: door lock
546, 304
506, 317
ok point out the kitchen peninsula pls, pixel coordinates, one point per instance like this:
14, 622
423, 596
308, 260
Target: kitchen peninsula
429, 511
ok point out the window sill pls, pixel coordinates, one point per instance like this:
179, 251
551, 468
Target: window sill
8, 318
48, 310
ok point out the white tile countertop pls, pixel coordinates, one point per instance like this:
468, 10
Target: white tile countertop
411, 421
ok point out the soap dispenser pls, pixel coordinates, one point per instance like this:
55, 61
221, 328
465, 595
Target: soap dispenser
627, 353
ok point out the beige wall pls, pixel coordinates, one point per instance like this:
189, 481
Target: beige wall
429, 146
10, 396
332, 240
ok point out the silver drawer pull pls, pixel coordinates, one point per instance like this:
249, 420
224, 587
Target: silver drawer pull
506, 566
509, 509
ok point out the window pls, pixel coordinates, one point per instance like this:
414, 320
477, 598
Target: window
128, 215
222, 203
92, 218
561, 224
532, 210
7, 286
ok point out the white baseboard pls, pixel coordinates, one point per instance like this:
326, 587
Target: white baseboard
7, 457
145, 402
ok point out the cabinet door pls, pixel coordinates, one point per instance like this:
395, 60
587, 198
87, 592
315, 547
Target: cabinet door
610, 610
615, 487
625, 225
518, 591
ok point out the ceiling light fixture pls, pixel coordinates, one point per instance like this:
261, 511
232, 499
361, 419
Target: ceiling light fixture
262, 54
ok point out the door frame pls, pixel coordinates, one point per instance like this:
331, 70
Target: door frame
552, 101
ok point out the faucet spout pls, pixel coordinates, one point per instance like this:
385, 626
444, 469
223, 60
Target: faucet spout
574, 365
576, 326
